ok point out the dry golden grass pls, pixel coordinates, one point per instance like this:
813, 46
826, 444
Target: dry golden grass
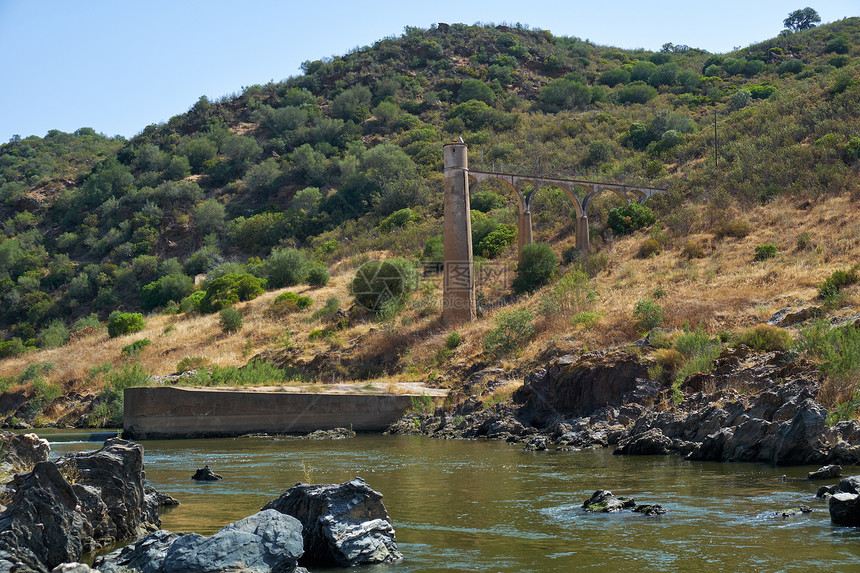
725, 290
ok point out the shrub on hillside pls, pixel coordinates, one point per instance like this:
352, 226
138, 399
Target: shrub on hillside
838, 280
648, 248
290, 302
486, 201
231, 320
513, 329
286, 267
765, 252
191, 303
765, 337
537, 266
398, 219
648, 314
10, 348
54, 335
629, 218
492, 244
228, 290
379, 282
120, 323
737, 228
173, 287
318, 276
135, 347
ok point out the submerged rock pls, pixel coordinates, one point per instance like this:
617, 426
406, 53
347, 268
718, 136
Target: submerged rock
205, 474
333, 434
536, 444
655, 509
791, 512
343, 524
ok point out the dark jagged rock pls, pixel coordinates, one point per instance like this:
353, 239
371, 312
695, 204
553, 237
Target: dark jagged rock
99, 528
651, 442
268, 541
42, 518
205, 474
850, 484
162, 499
845, 509
792, 315
334, 434
116, 471
791, 512
146, 554
20, 452
825, 472
536, 444
73, 568
343, 524
603, 501
826, 491
649, 510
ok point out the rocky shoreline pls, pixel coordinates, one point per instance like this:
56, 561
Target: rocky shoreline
751, 407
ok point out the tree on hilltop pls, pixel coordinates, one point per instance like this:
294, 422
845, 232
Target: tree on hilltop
802, 19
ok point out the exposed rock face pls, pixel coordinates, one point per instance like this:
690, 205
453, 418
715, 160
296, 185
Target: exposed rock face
116, 471
572, 386
22, 451
266, 541
343, 525
650, 442
147, 554
333, 434
42, 521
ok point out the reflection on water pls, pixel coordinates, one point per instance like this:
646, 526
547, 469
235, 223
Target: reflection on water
488, 506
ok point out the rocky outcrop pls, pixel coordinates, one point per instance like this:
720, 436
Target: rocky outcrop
333, 434
650, 442
603, 501
826, 472
343, 524
845, 508
266, 542
20, 452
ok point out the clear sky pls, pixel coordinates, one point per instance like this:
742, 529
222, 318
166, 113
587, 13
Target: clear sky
120, 65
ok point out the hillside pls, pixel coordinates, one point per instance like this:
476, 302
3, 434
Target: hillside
317, 174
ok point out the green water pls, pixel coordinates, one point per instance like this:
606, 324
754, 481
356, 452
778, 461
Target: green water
489, 506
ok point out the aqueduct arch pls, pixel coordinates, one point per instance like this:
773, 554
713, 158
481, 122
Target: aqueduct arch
458, 299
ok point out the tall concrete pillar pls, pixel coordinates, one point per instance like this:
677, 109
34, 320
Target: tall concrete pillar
582, 240
525, 233
458, 286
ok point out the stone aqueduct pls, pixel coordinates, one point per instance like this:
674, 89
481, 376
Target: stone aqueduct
458, 299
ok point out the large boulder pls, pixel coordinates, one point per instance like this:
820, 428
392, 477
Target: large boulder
845, 509
268, 541
604, 501
116, 471
651, 442
343, 524
42, 518
20, 452
146, 555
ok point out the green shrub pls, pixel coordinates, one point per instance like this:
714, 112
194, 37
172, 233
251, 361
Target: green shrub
332, 304
318, 276
629, 218
765, 337
568, 294
765, 252
191, 303
486, 201
513, 329
135, 347
837, 350
257, 372
228, 290
378, 282
10, 348
120, 323
231, 320
693, 250
648, 248
173, 287
838, 280
453, 340
804, 241
290, 301
398, 219
191, 363
737, 228
492, 244
112, 396
761, 91
537, 266
286, 267
699, 351
648, 314
54, 335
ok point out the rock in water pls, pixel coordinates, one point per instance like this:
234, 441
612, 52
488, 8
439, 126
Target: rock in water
145, 555
655, 509
603, 501
268, 541
20, 452
205, 474
343, 524
845, 509
826, 472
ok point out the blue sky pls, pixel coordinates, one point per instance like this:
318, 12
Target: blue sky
120, 65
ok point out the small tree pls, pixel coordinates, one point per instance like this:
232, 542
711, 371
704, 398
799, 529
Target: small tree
630, 218
379, 282
802, 19
120, 323
231, 320
648, 314
537, 267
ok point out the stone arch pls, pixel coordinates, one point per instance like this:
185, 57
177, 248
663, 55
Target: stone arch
477, 180
567, 191
598, 189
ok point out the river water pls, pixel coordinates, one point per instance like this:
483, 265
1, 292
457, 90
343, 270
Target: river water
488, 506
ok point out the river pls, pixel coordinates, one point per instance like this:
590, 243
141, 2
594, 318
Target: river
488, 506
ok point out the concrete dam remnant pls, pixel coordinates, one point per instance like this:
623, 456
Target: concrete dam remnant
458, 284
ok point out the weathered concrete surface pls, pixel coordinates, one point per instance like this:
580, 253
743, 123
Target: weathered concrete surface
164, 412
458, 286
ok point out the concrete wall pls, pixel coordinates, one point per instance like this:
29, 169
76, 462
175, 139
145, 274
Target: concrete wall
166, 412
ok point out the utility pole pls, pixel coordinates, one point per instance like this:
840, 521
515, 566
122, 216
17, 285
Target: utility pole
716, 156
